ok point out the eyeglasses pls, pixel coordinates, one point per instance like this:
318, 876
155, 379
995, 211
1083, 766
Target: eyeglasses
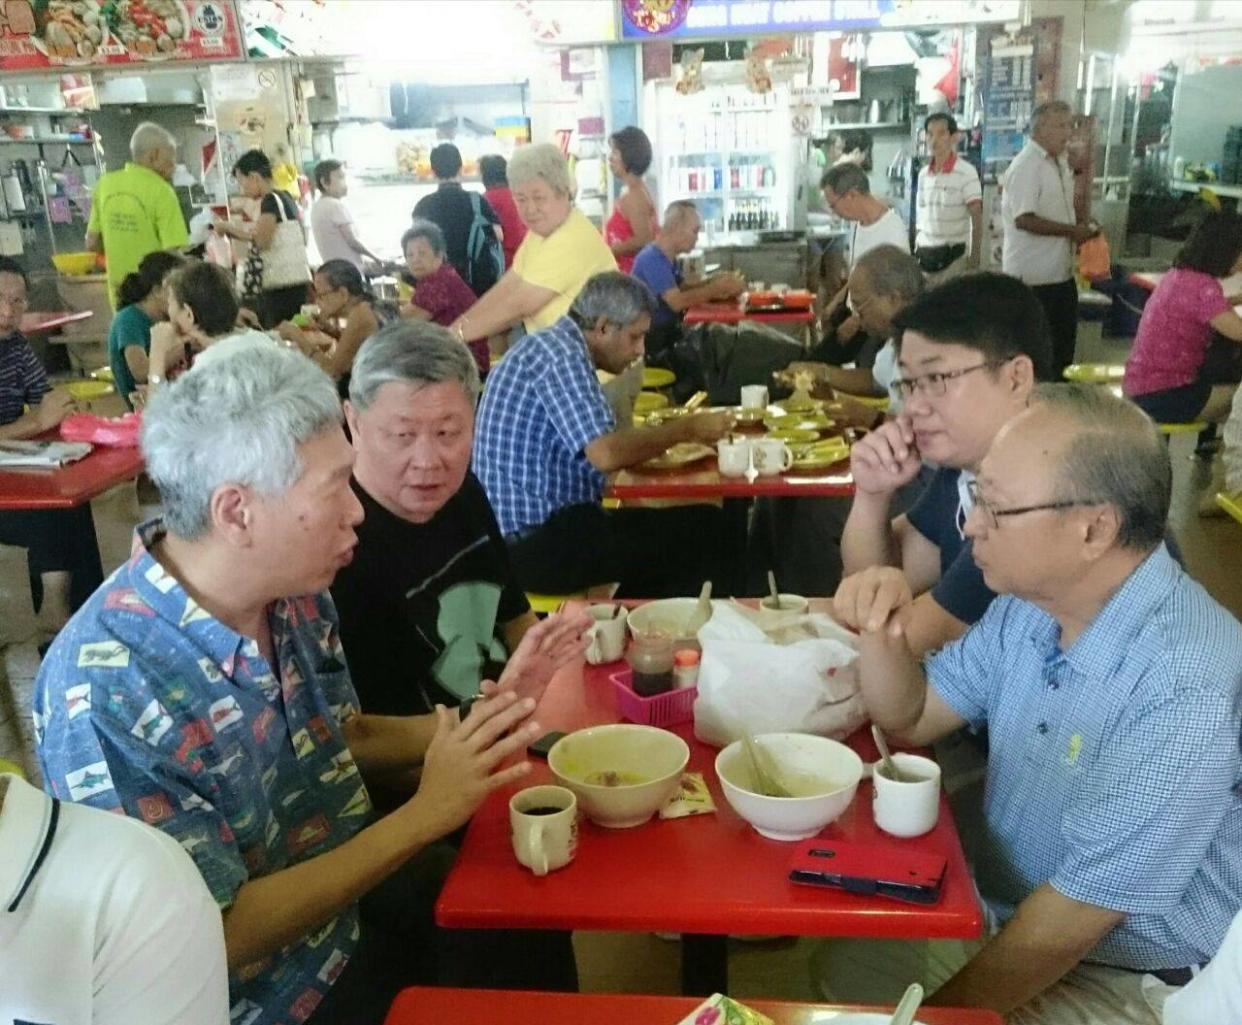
992, 515
936, 384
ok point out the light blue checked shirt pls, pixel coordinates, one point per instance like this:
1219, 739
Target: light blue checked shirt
542, 406
1115, 767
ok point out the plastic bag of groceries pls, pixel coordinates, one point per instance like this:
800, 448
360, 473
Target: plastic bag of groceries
111, 431
787, 673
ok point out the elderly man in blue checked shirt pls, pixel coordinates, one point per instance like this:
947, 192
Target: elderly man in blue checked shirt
1111, 684
203, 689
546, 439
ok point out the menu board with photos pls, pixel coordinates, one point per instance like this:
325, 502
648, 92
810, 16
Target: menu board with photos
41, 34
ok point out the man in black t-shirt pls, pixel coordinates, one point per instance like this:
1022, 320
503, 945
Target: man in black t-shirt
429, 608
969, 354
452, 208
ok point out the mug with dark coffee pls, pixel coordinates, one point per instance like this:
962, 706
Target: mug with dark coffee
543, 823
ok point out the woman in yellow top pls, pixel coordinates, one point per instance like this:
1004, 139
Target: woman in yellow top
561, 251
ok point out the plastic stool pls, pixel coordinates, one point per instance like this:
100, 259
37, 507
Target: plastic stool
1094, 373
655, 378
546, 604
1194, 427
1232, 504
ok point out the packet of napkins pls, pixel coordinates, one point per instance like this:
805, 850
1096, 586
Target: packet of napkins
718, 1009
691, 798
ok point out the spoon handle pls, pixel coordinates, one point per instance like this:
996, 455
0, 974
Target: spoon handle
909, 1006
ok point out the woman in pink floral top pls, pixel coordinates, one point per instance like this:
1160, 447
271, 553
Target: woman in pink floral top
1164, 372
440, 295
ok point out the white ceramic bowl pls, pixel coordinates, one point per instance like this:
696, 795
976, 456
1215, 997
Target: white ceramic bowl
655, 756
794, 757
669, 615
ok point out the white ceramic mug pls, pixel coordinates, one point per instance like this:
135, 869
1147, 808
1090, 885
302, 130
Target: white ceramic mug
791, 607
772, 456
733, 457
907, 809
543, 824
606, 634
754, 396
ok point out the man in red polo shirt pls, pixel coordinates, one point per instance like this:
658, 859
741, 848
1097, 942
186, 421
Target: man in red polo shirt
950, 207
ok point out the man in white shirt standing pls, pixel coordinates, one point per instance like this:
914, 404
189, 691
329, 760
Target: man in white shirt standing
331, 222
1042, 225
949, 206
847, 191
103, 920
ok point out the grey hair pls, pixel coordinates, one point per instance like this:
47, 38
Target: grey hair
428, 230
149, 136
1116, 456
236, 417
677, 209
540, 160
618, 298
892, 271
1049, 107
411, 352
843, 178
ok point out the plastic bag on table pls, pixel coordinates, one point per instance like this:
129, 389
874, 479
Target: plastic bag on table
794, 675
114, 432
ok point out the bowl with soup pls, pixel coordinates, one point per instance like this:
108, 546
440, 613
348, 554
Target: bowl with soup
821, 776
622, 772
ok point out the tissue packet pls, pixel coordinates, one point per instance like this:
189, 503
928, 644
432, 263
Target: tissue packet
718, 1009
691, 798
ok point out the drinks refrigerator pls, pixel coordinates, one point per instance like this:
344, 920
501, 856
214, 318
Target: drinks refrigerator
729, 150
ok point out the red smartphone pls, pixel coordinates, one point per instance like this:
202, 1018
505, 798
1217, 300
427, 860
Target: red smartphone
871, 871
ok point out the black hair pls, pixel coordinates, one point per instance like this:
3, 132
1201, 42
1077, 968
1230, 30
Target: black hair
492, 169
996, 315
343, 274
151, 272
446, 161
254, 161
844, 178
208, 292
634, 148
10, 266
323, 171
950, 122
1213, 247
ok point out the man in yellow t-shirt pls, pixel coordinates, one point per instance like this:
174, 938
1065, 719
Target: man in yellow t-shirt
134, 211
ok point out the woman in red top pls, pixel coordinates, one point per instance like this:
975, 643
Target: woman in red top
496, 191
440, 295
634, 221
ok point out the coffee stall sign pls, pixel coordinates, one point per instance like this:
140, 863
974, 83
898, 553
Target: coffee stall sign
39, 34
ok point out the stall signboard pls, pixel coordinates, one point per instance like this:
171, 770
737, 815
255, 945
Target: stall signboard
706, 19
44, 34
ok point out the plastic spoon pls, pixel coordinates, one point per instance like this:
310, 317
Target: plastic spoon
776, 597
909, 1006
765, 783
702, 611
890, 770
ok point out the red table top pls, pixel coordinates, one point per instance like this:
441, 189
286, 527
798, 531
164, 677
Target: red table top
34, 321
706, 482
731, 313
70, 485
420, 1005
709, 874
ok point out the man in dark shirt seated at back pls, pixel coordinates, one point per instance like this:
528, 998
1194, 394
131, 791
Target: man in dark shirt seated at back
452, 208
429, 607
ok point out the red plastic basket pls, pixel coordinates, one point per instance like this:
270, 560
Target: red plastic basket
665, 709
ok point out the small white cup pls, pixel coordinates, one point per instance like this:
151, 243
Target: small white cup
791, 607
754, 396
907, 809
733, 457
606, 634
772, 456
543, 823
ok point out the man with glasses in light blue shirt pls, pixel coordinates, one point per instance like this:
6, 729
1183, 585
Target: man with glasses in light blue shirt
1111, 685
969, 354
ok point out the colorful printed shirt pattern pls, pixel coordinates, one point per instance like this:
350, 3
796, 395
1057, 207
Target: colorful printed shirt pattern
148, 706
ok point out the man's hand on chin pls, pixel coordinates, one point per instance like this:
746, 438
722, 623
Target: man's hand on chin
545, 647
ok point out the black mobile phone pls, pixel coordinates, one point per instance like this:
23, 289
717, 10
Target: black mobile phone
543, 745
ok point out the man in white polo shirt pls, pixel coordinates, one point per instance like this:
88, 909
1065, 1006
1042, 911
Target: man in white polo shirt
949, 208
103, 920
1042, 226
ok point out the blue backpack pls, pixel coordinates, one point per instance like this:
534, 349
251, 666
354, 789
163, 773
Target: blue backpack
485, 259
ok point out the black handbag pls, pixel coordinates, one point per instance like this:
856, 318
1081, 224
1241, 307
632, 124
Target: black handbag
934, 259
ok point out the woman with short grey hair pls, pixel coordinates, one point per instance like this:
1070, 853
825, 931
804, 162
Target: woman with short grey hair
440, 293
562, 249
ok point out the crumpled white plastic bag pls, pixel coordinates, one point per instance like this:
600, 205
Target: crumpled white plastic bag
748, 680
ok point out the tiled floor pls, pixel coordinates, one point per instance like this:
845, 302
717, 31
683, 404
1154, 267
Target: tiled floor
608, 961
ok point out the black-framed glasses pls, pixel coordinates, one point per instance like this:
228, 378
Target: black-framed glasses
936, 383
992, 515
